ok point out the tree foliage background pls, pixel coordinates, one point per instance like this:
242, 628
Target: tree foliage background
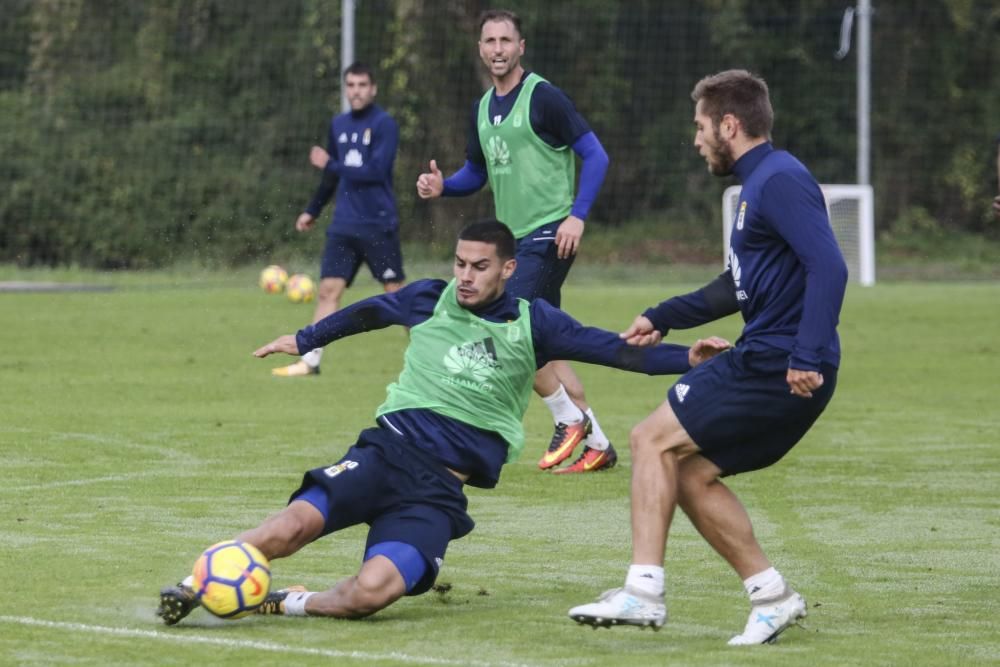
134, 133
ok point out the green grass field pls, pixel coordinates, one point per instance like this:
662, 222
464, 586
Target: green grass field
137, 429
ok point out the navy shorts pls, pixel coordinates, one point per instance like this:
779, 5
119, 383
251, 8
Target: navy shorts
540, 273
376, 246
739, 410
403, 496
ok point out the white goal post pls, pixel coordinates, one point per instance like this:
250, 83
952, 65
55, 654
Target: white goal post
852, 216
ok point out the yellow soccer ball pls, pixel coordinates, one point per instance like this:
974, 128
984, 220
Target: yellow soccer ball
231, 579
273, 279
300, 289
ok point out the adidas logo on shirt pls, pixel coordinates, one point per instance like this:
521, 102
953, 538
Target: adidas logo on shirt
681, 390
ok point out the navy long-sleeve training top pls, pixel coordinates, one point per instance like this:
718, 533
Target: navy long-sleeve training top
785, 274
362, 147
555, 335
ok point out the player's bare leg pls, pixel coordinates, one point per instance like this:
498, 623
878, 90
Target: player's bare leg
286, 532
376, 586
280, 535
658, 443
722, 520
719, 516
327, 302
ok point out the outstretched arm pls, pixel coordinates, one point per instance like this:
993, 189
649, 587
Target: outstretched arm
408, 307
715, 300
556, 335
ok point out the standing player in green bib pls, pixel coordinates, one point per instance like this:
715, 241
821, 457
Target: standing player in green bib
522, 140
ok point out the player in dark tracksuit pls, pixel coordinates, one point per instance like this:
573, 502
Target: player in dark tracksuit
746, 408
357, 167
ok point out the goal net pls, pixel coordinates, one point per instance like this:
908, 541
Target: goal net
852, 215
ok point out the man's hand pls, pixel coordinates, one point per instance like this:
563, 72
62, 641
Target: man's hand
568, 236
304, 222
641, 333
803, 383
319, 157
284, 344
996, 205
706, 348
430, 184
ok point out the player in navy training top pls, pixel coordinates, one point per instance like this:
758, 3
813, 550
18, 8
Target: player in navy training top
746, 408
471, 344
357, 164
531, 167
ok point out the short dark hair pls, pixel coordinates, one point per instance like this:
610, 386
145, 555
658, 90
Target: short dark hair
500, 15
359, 69
493, 232
739, 93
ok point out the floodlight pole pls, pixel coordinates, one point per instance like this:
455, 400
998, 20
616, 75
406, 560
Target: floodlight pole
864, 12
346, 46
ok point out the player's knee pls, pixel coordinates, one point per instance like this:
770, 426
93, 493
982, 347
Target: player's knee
644, 440
374, 591
329, 295
289, 530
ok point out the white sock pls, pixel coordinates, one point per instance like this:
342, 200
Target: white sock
295, 603
312, 357
188, 582
764, 585
646, 579
563, 409
596, 440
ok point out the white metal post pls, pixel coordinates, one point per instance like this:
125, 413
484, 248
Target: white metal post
346, 46
864, 14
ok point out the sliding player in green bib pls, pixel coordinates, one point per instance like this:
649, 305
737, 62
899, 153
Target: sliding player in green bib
452, 418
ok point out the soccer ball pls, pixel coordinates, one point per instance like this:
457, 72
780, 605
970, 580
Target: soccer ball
231, 579
273, 279
300, 288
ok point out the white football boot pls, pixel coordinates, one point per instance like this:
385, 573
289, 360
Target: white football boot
770, 617
622, 606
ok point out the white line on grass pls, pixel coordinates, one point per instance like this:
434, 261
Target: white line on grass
247, 644
123, 477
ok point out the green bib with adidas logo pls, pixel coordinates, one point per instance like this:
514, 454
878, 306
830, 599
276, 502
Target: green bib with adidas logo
461, 366
532, 182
